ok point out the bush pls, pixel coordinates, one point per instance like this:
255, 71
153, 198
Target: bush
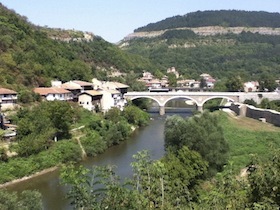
66, 151
136, 116
93, 144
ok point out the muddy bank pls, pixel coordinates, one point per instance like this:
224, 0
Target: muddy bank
45, 171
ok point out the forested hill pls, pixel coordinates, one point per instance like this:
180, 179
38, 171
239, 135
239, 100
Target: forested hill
225, 18
207, 42
32, 56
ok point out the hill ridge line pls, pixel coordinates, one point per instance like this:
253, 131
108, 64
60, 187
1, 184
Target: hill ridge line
208, 31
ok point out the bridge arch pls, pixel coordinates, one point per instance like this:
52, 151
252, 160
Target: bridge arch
180, 97
214, 97
148, 97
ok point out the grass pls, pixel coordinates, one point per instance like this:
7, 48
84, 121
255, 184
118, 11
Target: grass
247, 138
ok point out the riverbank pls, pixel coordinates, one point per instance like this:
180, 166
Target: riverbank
248, 138
16, 181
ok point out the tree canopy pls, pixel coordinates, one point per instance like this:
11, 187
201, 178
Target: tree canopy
199, 133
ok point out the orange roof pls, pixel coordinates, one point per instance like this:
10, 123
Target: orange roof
50, 90
6, 91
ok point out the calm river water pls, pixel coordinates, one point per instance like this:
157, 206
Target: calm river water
148, 138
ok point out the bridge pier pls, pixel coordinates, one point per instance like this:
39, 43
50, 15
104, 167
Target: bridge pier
161, 110
199, 108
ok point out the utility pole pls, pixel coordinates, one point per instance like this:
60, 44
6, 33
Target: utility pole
1, 116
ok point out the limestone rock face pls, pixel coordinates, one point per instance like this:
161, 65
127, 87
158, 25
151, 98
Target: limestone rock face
208, 30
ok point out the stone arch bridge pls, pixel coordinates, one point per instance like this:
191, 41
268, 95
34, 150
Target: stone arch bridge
199, 98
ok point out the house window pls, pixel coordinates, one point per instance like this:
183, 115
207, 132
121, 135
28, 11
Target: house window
53, 95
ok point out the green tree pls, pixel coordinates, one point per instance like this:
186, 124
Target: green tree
264, 181
234, 84
172, 80
250, 102
203, 83
220, 86
185, 169
202, 134
267, 83
135, 116
26, 200
226, 191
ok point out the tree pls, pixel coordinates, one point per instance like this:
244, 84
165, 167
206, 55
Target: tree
203, 83
98, 188
220, 86
172, 80
234, 84
26, 200
226, 191
267, 83
184, 169
264, 181
135, 116
202, 134
175, 129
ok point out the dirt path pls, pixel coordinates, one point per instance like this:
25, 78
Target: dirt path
84, 154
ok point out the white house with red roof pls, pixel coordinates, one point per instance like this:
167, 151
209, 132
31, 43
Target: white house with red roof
8, 98
54, 93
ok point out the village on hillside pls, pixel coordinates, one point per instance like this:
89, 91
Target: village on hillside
106, 94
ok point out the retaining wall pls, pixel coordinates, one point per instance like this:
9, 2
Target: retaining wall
245, 110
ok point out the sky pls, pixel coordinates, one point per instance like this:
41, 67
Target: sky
115, 19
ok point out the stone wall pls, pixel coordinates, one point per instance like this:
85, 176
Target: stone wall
266, 115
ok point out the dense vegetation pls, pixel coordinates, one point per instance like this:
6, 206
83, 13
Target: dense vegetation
30, 58
251, 56
40, 126
177, 181
225, 18
265, 104
26, 200
199, 133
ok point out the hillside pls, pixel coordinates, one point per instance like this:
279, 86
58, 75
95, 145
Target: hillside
224, 18
221, 43
32, 56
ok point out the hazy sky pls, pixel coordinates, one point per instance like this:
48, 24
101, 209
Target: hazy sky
114, 19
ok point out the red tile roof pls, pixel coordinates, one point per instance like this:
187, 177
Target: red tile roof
6, 91
50, 90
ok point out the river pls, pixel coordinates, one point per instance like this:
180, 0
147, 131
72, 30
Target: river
149, 138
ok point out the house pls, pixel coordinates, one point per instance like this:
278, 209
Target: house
251, 86
112, 98
154, 84
185, 83
8, 99
76, 87
97, 84
54, 93
90, 99
122, 88
209, 80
